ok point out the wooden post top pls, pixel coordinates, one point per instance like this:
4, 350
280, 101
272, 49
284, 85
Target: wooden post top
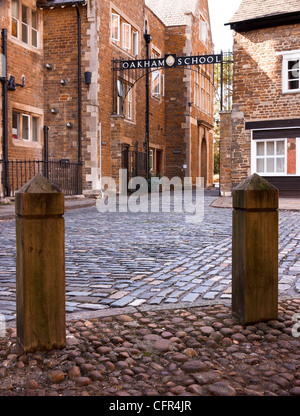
39, 197
255, 193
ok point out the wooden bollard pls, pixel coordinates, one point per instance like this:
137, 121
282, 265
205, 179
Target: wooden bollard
40, 270
255, 251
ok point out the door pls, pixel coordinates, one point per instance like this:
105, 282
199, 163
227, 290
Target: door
125, 156
158, 162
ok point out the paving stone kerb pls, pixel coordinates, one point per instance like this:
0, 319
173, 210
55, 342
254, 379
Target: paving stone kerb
40, 269
255, 250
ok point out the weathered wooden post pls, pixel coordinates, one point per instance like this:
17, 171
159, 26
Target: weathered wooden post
255, 251
40, 271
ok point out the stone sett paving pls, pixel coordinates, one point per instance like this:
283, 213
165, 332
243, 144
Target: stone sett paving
148, 302
195, 351
124, 259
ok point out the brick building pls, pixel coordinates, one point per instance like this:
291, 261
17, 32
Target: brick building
262, 133
74, 108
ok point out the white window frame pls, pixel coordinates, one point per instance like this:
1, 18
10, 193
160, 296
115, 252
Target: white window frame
203, 29
29, 127
126, 37
135, 42
16, 19
20, 130
151, 160
35, 30
197, 89
124, 99
24, 24
297, 156
27, 26
37, 131
287, 56
161, 81
17, 132
117, 38
254, 156
120, 97
129, 103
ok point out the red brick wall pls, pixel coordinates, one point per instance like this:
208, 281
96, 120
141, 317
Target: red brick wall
170, 128
24, 60
258, 87
60, 50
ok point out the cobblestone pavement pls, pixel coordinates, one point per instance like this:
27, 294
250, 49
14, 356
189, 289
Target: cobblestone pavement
195, 351
124, 259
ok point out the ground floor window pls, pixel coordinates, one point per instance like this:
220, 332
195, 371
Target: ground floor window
276, 157
125, 99
25, 126
271, 157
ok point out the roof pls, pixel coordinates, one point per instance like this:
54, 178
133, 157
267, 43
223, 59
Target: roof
266, 13
253, 9
172, 12
57, 3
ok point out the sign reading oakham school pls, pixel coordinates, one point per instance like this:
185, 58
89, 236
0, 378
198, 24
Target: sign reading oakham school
170, 61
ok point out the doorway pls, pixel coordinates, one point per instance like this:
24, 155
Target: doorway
204, 160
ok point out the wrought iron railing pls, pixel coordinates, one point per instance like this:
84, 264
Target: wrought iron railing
135, 161
63, 173
223, 82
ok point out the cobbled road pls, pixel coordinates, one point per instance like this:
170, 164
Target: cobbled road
133, 259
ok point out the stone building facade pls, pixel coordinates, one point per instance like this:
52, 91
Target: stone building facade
262, 133
73, 108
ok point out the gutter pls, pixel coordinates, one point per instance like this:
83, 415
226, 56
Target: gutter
264, 22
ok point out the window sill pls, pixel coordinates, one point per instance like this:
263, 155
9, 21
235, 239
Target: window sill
273, 174
25, 143
157, 98
120, 48
26, 45
291, 92
129, 121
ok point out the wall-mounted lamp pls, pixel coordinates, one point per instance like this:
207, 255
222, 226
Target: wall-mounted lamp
54, 110
12, 84
49, 66
69, 125
64, 81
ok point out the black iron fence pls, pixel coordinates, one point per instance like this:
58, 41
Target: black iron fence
223, 82
134, 160
63, 173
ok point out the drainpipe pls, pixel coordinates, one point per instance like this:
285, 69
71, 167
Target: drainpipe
45, 164
5, 118
79, 84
